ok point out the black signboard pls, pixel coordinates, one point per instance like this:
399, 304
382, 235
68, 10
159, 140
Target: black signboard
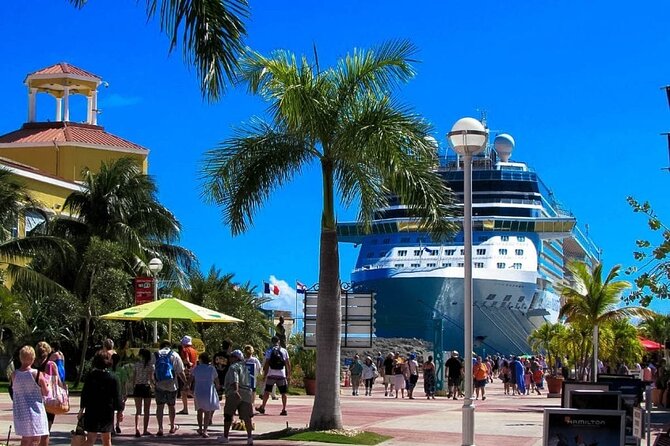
566, 427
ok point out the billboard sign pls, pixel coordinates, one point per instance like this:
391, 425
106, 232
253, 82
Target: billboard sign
583, 426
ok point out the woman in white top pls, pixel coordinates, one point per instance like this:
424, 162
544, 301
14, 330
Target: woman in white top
142, 380
369, 374
30, 386
254, 366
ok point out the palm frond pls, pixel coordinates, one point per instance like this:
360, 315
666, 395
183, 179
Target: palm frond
242, 173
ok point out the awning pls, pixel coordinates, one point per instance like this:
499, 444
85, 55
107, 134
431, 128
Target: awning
650, 345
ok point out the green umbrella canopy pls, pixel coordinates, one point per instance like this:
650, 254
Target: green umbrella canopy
170, 308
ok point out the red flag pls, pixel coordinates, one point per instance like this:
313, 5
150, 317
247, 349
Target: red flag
275, 290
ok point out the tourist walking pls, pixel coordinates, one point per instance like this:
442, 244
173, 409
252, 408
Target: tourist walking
388, 375
480, 373
355, 372
238, 395
399, 372
143, 373
429, 378
205, 384
58, 358
221, 362
29, 390
518, 382
505, 376
369, 374
276, 368
254, 366
168, 369
48, 370
452, 369
189, 357
413, 372
100, 398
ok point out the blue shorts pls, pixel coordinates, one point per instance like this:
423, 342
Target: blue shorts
480, 383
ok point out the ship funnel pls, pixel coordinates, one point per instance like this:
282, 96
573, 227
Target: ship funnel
504, 144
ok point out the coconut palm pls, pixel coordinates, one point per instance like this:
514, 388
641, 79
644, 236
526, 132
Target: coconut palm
212, 34
119, 204
593, 301
544, 338
656, 328
366, 145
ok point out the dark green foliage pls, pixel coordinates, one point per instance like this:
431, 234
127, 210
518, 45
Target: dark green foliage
653, 272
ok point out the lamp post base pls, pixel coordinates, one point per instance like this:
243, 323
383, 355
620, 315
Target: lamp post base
468, 422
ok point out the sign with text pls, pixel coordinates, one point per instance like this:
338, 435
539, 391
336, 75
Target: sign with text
357, 319
144, 290
583, 426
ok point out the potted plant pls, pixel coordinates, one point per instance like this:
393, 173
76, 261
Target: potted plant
546, 338
306, 360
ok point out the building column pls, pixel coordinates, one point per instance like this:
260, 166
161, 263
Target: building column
59, 109
94, 108
89, 108
32, 92
66, 103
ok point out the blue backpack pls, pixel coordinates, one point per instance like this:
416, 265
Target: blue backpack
164, 369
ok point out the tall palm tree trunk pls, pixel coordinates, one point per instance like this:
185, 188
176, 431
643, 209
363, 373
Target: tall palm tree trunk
326, 412
594, 365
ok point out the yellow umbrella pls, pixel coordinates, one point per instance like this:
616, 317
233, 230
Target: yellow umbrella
170, 308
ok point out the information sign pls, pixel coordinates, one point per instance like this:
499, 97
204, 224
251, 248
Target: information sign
144, 290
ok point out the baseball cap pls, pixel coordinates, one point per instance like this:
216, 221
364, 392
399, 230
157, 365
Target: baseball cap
454, 353
186, 340
237, 354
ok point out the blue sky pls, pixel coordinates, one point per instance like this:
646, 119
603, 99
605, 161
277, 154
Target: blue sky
576, 83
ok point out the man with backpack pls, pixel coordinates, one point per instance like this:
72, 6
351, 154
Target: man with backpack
168, 368
277, 369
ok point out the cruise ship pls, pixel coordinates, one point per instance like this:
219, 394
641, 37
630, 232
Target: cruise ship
522, 240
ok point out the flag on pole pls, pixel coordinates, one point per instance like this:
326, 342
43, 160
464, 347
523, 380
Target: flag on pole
270, 289
300, 287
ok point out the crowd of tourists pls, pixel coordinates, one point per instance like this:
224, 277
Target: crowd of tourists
164, 377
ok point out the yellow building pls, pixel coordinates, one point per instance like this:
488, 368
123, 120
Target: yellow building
49, 157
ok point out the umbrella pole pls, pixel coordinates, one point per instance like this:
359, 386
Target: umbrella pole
170, 330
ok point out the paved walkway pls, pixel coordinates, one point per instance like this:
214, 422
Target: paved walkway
500, 421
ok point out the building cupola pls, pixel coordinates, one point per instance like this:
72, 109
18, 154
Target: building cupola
60, 81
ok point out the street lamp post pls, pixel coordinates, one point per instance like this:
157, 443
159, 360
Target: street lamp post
468, 137
155, 266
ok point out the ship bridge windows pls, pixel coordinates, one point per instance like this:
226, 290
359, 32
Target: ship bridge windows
481, 251
518, 252
479, 264
501, 265
402, 252
520, 238
490, 297
516, 266
415, 265
504, 238
417, 252
446, 265
460, 264
399, 265
434, 252
462, 251
502, 251
449, 252
507, 298
431, 265
521, 299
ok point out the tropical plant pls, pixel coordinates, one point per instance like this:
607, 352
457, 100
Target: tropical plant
620, 344
14, 197
591, 301
546, 338
212, 34
653, 274
305, 358
367, 147
656, 327
221, 293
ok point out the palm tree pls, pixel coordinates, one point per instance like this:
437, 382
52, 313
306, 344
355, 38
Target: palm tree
591, 301
212, 34
544, 338
367, 146
656, 328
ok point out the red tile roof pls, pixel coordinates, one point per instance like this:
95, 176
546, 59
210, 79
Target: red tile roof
42, 132
65, 68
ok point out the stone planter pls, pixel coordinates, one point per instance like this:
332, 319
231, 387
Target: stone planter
310, 386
